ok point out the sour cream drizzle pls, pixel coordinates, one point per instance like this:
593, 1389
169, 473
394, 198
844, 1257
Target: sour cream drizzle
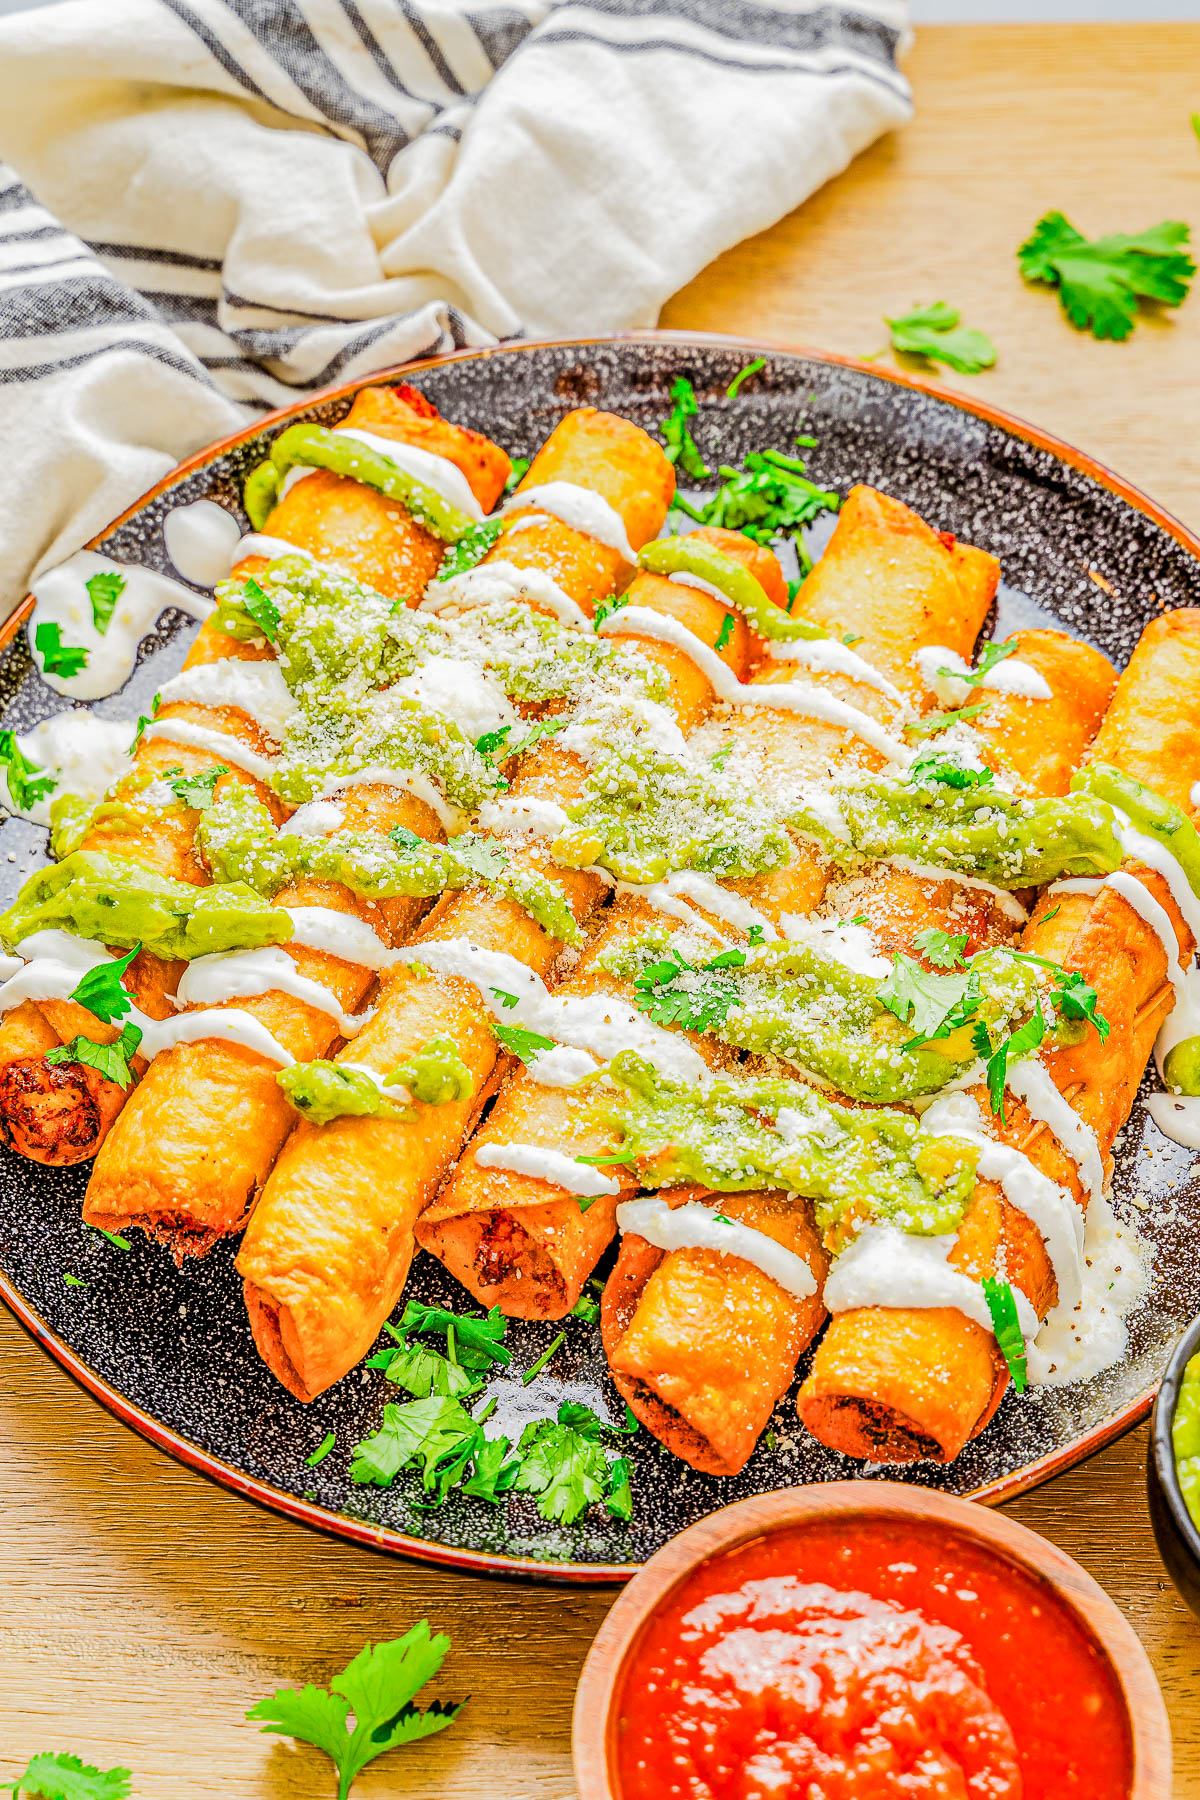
200, 541
1049, 1206
61, 598
241, 974
548, 1165
436, 472
255, 688
489, 583
890, 1268
598, 1023
789, 696
411, 781
221, 744
579, 507
1031, 1081
83, 753
1012, 676
1006, 903
339, 934
834, 659
695, 1226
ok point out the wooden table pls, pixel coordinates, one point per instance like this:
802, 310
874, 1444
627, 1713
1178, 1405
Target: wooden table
141, 1610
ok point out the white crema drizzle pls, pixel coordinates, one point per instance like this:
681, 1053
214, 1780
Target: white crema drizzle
581, 508
695, 1226
82, 753
255, 688
492, 583
244, 974
1012, 676
548, 1165
61, 598
436, 472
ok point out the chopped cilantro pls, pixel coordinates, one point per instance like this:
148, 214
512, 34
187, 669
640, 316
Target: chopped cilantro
482, 856
991, 655
507, 1000
102, 992
931, 765
377, 1689
1024, 1039
720, 757
724, 1219
404, 839
57, 658
1101, 280
74, 1281
58, 1776
603, 609
473, 545
587, 1309
754, 936
104, 590
760, 362
725, 633
546, 1356
528, 1045
940, 948
676, 433
768, 497
322, 1451
144, 719
520, 468
114, 1237
564, 1462
27, 782
111, 1060
491, 741
262, 609
935, 332
1007, 1325
541, 728
619, 1500
674, 992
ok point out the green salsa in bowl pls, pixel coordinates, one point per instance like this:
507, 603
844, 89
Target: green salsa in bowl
1173, 1467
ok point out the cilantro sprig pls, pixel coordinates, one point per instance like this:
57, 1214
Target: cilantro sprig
262, 609
697, 997
471, 547
1006, 1323
676, 432
378, 1689
527, 1045
102, 992
937, 333
1101, 280
769, 497
27, 782
55, 1775
196, 791
110, 1060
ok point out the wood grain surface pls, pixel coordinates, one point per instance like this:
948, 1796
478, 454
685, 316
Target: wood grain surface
142, 1610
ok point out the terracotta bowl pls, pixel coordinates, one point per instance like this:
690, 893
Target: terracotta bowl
595, 1722
1175, 1530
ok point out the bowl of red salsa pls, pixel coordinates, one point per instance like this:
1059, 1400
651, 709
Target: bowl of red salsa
867, 1641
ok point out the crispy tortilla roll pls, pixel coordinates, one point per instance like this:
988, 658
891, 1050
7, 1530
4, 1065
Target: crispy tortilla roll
702, 1345
399, 1164
897, 1384
896, 586
162, 1173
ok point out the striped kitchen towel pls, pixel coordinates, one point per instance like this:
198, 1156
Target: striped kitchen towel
212, 207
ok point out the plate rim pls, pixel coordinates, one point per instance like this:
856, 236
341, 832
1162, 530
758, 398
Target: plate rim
380, 1538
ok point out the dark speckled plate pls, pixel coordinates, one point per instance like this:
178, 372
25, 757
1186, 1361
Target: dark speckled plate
170, 1352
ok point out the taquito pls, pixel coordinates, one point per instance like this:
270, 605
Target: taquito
328, 1247
893, 585
897, 1384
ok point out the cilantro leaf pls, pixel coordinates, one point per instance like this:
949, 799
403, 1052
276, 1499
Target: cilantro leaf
404, 839
27, 782
144, 719
262, 609
490, 742
479, 1342
619, 1499
57, 658
1076, 998
472, 546
940, 948
528, 1045
104, 590
586, 1308
518, 472
725, 633
676, 434
563, 1464
74, 1281
674, 992
111, 1060
931, 765
760, 362
933, 1004
991, 654
58, 1776
421, 1431
539, 729
603, 609
482, 856
1101, 280
1007, 1325
197, 790
424, 1372
378, 1688
935, 332
492, 1470
507, 1000
101, 990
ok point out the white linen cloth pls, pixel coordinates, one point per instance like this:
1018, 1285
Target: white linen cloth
212, 207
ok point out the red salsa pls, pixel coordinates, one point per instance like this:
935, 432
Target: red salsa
866, 1659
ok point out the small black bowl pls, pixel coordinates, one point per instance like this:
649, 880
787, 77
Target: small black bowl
1176, 1534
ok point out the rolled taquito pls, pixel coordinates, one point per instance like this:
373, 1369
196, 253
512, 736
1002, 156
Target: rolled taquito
897, 1384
